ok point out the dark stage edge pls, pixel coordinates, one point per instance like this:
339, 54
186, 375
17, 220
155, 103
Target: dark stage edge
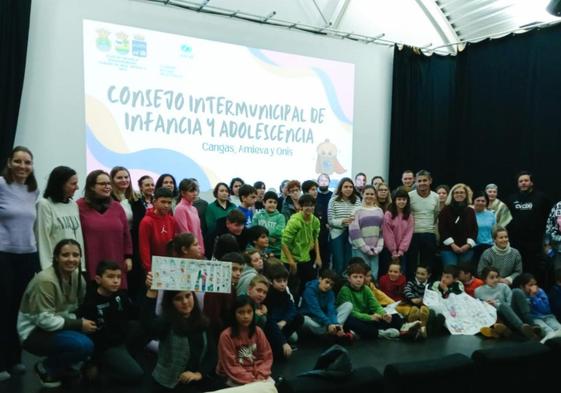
376, 353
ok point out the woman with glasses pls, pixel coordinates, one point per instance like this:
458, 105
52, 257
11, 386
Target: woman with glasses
104, 226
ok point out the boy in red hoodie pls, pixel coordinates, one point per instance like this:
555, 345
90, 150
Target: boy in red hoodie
157, 228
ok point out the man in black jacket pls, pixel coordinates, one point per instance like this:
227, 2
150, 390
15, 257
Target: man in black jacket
529, 209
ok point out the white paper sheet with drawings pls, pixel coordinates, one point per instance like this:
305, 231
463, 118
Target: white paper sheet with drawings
180, 274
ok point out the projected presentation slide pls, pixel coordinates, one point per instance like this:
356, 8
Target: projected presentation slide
164, 103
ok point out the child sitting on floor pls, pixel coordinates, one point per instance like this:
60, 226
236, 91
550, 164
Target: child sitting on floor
257, 291
448, 282
466, 275
499, 296
318, 307
244, 354
393, 283
368, 319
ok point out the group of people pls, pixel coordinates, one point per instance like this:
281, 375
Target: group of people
76, 283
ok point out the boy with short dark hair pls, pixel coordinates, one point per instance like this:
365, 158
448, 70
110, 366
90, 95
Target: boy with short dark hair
283, 317
413, 308
258, 239
234, 224
111, 310
248, 196
448, 282
157, 228
466, 275
257, 291
321, 316
273, 220
298, 238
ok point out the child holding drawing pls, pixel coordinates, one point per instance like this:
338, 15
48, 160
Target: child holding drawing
187, 352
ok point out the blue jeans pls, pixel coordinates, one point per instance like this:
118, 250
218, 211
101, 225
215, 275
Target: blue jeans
62, 348
451, 258
341, 252
371, 260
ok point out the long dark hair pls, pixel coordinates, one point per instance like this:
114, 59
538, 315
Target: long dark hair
8, 175
242, 301
175, 246
180, 324
55, 185
235, 179
89, 194
56, 252
160, 182
339, 191
400, 193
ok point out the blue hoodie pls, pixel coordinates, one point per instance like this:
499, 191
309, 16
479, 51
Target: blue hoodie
539, 304
319, 305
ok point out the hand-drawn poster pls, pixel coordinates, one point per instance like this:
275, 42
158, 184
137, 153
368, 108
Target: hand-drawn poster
178, 274
464, 314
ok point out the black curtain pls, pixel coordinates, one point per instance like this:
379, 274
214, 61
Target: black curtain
482, 116
14, 29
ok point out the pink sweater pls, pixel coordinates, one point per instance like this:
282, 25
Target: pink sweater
397, 233
106, 236
187, 220
243, 359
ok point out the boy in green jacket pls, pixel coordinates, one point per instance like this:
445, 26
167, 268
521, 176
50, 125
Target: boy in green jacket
274, 221
368, 319
300, 236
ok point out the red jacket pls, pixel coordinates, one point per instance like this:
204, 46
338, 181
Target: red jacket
154, 234
393, 289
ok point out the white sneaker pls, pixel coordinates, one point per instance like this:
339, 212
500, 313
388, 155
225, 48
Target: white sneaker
551, 335
389, 334
408, 325
4, 376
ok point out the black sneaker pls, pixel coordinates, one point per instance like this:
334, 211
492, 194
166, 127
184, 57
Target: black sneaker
48, 381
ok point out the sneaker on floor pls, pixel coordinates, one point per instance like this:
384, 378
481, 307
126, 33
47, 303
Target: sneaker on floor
18, 369
529, 332
538, 331
345, 339
389, 334
47, 380
410, 330
488, 332
4, 376
501, 330
355, 335
551, 335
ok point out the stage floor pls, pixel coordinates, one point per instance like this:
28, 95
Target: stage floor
376, 353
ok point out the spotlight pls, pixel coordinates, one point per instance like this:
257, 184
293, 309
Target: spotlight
554, 7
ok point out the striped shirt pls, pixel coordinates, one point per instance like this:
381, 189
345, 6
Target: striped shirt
337, 211
365, 232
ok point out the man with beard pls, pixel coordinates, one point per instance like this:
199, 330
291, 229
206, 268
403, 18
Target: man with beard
529, 209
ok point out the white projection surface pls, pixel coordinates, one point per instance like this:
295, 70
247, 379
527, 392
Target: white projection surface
159, 102
157, 89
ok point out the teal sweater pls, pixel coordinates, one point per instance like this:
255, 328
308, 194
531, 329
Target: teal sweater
364, 302
300, 237
275, 223
214, 212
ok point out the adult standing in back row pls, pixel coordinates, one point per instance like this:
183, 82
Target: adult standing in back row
18, 251
529, 209
425, 207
